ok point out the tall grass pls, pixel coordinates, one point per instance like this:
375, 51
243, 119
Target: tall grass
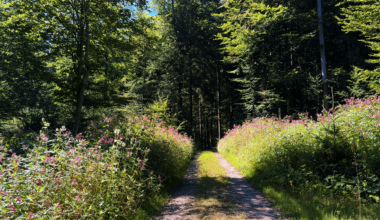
337, 156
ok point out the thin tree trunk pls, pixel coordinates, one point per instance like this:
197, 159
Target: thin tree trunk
82, 85
200, 121
210, 133
206, 135
218, 101
180, 98
191, 73
191, 104
231, 112
323, 55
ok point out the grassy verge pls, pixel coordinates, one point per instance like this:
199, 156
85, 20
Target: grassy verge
296, 203
153, 205
212, 198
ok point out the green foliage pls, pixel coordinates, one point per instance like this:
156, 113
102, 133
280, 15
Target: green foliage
363, 16
160, 108
66, 53
337, 155
109, 171
274, 49
244, 22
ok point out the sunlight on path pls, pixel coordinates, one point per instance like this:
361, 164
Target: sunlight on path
251, 202
213, 189
181, 204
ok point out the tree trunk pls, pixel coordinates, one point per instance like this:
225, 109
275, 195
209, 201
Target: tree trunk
206, 130
190, 73
82, 85
200, 121
231, 112
179, 110
191, 104
210, 135
323, 55
218, 101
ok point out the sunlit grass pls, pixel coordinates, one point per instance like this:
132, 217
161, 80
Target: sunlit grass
314, 169
297, 203
209, 167
212, 198
300, 204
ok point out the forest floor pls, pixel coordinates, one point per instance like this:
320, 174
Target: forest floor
213, 189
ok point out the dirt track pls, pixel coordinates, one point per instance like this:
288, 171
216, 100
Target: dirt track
249, 202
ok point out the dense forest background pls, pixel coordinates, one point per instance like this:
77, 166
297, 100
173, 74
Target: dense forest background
201, 65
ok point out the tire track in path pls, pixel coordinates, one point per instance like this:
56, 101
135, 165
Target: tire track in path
248, 202
181, 203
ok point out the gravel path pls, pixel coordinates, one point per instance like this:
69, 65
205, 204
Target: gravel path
250, 201
181, 204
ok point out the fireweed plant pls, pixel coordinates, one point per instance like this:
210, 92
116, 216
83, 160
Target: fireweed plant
339, 154
106, 172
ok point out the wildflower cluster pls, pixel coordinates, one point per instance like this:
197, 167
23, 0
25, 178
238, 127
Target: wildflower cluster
104, 173
169, 151
338, 153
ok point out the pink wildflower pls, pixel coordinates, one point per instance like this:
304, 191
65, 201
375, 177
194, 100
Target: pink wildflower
12, 208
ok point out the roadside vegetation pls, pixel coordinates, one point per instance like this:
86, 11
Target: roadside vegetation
110, 170
324, 169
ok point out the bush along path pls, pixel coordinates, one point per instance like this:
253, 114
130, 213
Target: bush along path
108, 172
328, 168
213, 189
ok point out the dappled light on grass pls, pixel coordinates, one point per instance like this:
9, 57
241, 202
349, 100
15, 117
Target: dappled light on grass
315, 205
213, 200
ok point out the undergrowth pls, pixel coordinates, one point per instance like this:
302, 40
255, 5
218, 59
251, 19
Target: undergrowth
327, 168
109, 171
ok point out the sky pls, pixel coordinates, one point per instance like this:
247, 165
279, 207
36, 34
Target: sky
153, 12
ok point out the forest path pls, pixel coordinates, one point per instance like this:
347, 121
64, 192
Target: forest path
250, 201
213, 189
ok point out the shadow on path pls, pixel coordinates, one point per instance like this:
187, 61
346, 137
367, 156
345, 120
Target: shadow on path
229, 197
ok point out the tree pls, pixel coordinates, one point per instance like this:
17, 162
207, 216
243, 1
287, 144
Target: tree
364, 16
80, 35
274, 47
323, 55
22, 94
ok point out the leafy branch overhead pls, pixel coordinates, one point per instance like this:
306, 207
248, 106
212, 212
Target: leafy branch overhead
244, 24
364, 16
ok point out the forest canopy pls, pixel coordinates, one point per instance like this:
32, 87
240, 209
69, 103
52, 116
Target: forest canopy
201, 65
